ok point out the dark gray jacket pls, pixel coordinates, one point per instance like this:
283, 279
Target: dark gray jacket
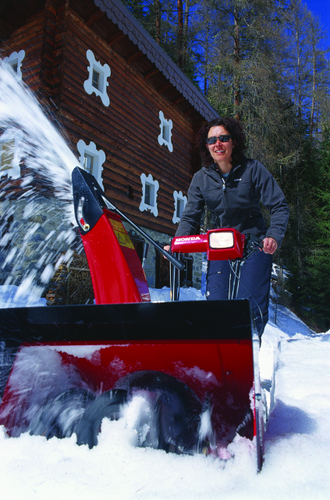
235, 201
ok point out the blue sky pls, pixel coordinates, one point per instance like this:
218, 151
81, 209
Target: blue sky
322, 9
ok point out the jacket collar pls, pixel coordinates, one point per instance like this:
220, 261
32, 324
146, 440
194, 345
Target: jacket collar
214, 172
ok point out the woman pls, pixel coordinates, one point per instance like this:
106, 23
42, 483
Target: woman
232, 187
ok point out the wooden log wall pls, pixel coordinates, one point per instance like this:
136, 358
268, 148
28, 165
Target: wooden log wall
55, 22
127, 130
55, 41
29, 38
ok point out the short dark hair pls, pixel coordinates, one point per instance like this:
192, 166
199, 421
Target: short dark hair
234, 128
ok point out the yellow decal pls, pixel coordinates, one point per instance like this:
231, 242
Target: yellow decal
117, 225
121, 234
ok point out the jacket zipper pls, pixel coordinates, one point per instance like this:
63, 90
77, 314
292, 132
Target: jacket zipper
224, 189
225, 195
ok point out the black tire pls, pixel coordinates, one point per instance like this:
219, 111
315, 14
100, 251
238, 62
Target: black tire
107, 405
60, 416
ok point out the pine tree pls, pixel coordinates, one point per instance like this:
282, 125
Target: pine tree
318, 262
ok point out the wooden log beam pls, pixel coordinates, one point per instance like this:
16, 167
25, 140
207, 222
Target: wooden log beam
188, 111
178, 100
134, 56
94, 17
115, 38
151, 73
164, 87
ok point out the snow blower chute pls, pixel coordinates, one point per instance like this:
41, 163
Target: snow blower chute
65, 368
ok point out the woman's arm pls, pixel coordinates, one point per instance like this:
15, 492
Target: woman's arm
190, 219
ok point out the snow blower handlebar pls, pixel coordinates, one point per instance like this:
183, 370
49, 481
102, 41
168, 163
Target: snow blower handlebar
89, 201
219, 244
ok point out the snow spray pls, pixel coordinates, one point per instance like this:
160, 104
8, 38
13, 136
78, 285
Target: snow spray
36, 225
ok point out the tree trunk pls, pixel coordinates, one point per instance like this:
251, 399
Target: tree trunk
185, 34
311, 126
237, 90
180, 33
157, 10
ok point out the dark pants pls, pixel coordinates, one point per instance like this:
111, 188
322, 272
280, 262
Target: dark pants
254, 284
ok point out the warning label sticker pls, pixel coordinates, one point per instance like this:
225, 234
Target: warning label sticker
121, 234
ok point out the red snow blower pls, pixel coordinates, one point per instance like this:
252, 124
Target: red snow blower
65, 368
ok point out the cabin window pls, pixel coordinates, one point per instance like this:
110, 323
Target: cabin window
89, 163
165, 136
179, 208
91, 160
179, 204
97, 80
14, 62
149, 194
9, 153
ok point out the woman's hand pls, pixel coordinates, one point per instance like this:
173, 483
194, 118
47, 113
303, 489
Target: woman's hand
269, 245
167, 248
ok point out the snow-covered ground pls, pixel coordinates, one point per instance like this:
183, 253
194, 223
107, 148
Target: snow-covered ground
297, 445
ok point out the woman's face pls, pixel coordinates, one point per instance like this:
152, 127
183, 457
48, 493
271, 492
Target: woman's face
221, 152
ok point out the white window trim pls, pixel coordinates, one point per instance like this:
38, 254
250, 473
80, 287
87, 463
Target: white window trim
165, 124
143, 205
99, 158
12, 60
13, 172
104, 72
178, 196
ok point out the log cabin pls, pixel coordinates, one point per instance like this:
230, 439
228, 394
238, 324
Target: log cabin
129, 113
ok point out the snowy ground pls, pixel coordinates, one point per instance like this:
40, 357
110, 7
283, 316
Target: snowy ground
297, 440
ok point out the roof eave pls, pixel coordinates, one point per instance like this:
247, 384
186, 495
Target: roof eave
120, 16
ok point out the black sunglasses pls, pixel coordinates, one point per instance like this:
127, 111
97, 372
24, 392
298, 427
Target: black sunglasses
222, 138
